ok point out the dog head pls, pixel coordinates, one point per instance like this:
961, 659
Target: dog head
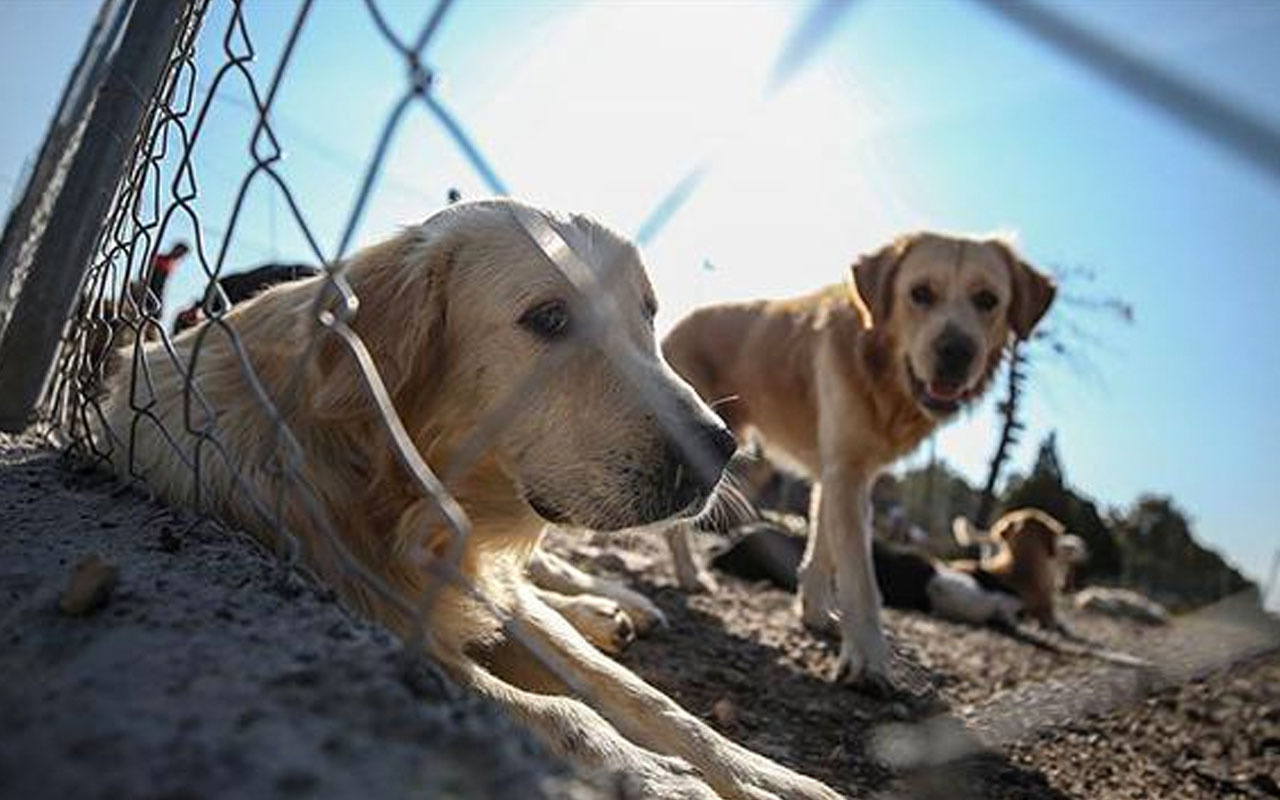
1031, 556
1029, 534
944, 307
1030, 552
492, 352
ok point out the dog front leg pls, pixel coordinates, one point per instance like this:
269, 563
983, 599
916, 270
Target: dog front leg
600, 619
846, 518
651, 719
691, 577
816, 575
551, 572
574, 731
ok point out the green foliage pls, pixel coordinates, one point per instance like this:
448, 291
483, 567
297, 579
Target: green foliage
1163, 559
1046, 489
934, 495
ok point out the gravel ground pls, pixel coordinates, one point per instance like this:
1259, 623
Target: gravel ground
984, 715
211, 672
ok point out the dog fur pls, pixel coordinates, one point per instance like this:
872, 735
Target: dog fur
848, 379
1028, 553
455, 313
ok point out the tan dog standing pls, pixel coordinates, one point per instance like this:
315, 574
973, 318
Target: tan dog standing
848, 379
458, 314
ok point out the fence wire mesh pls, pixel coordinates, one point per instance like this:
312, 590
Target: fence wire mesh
119, 322
121, 325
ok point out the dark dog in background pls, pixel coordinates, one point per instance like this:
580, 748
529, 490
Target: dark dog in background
231, 290
1020, 575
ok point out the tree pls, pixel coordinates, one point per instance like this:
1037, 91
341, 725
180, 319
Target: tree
932, 496
1063, 337
1046, 489
1163, 558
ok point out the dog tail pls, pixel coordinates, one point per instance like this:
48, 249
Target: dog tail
967, 534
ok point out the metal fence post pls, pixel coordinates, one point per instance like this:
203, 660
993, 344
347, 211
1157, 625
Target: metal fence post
58, 265
40, 183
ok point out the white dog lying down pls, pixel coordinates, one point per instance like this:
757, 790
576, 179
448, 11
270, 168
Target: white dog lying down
1019, 572
905, 577
458, 313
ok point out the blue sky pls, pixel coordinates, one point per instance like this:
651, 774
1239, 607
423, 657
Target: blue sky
924, 114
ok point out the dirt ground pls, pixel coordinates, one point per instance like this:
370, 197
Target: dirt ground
984, 715
212, 672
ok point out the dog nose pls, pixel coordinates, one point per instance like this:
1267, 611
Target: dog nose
713, 446
955, 353
720, 441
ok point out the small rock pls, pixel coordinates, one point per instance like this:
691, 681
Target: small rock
725, 712
90, 586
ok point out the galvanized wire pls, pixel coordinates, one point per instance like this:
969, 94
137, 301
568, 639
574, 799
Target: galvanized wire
162, 190
161, 193
113, 314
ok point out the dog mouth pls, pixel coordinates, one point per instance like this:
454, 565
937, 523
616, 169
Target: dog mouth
684, 501
938, 396
546, 510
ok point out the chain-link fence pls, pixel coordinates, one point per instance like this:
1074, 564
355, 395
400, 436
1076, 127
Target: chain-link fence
118, 334
89, 249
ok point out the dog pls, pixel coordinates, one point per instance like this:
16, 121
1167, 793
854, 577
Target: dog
906, 577
1027, 553
472, 328
111, 324
1020, 572
238, 287
848, 379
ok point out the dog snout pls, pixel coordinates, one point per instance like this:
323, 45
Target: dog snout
954, 353
703, 457
718, 441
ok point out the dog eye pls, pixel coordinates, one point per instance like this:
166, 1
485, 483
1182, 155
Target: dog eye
922, 295
985, 300
549, 320
650, 310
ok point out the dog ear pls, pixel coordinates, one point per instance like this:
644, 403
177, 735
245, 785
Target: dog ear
400, 319
1033, 293
873, 279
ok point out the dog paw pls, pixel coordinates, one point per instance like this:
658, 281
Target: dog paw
662, 776
755, 777
643, 613
602, 621
869, 676
872, 684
